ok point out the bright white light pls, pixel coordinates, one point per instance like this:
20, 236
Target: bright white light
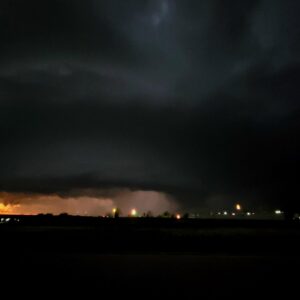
233, 214
225, 213
248, 213
133, 212
278, 212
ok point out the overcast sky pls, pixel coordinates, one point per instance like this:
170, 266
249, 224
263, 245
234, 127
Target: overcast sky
195, 100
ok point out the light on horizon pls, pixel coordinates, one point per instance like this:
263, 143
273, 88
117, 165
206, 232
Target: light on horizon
238, 207
133, 212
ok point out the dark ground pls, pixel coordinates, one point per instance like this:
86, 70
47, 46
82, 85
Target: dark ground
153, 257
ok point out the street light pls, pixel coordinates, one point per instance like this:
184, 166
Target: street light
133, 212
238, 207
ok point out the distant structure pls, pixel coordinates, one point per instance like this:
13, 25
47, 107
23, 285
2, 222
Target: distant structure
116, 212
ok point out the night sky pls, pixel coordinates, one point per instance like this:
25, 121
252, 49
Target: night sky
160, 104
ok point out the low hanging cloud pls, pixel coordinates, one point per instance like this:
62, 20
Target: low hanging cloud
99, 204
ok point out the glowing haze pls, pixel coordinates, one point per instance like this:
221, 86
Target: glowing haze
91, 205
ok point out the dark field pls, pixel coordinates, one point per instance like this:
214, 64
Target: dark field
154, 256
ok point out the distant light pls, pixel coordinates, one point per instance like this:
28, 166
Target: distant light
133, 212
238, 207
7, 219
278, 212
178, 216
114, 210
233, 214
248, 213
219, 213
225, 213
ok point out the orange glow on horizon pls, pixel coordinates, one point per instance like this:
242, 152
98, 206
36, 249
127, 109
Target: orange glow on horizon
8, 209
85, 203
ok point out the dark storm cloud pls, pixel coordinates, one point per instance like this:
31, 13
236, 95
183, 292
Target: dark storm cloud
199, 99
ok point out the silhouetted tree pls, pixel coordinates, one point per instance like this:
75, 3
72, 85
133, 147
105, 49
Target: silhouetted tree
64, 215
117, 213
149, 214
186, 216
166, 214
